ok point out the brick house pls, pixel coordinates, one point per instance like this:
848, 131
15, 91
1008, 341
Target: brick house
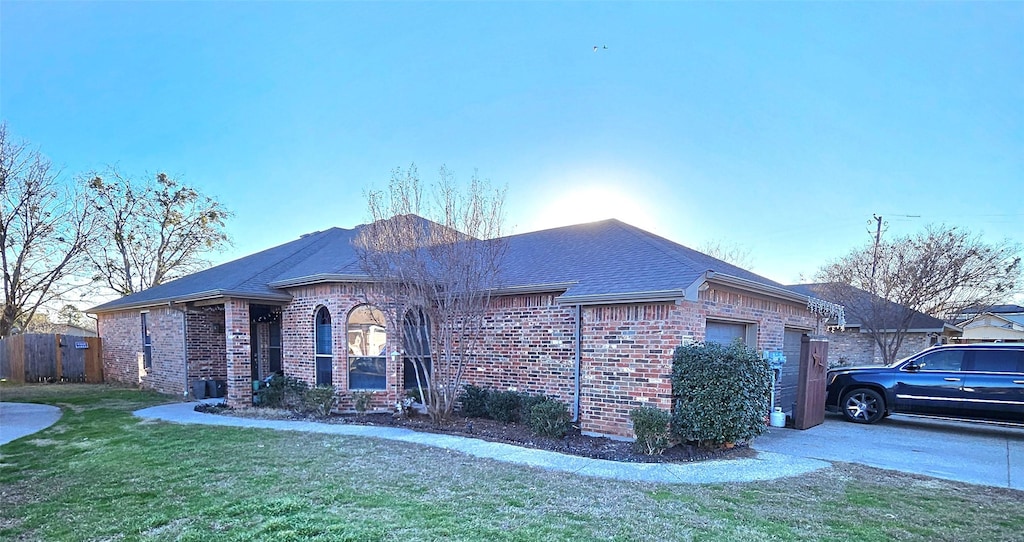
855, 345
589, 314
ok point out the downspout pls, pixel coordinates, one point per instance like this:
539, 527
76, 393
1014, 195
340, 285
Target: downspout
576, 368
184, 337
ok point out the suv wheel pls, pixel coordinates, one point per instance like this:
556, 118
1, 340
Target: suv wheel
863, 406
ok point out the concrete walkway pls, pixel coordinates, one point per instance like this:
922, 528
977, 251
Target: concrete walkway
20, 419
766, 466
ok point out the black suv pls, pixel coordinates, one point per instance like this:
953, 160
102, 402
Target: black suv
971, 381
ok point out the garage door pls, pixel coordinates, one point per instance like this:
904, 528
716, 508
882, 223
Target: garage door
724, 332
790, 371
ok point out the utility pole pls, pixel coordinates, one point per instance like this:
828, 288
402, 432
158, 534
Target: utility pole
878, 239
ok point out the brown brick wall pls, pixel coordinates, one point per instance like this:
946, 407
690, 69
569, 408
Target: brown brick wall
851, 348
207, 344
122, 349
528, 345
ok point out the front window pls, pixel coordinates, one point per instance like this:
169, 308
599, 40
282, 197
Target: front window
147, 343
324, 357
367, 349
416, 341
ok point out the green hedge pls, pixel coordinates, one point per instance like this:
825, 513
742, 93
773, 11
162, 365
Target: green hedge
651, 427
721, 393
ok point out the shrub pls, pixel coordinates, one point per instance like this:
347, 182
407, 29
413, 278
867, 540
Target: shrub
320, 400
526, 404
362, 401
549, 417
282, 392
721, 393
474, 401
503, 406
651, 426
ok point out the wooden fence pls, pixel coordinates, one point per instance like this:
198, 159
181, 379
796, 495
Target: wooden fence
51, 358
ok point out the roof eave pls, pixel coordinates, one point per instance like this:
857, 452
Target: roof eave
533, 288
320, 278
190, 298
622, 297
756, 287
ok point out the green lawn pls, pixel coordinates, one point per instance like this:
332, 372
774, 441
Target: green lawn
101, 474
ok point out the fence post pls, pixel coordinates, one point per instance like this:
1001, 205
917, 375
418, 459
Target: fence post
60, 362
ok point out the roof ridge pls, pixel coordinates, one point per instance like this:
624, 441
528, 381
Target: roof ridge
310, 239
652, 239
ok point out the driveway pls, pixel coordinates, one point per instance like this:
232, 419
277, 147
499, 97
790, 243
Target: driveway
966, 452
20, 419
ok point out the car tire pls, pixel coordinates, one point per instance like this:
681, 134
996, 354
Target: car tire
862, 405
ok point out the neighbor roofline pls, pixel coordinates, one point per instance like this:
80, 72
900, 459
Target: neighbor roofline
190, 298
757, 287
622, 297
320, 278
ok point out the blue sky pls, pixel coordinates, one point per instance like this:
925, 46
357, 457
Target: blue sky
781, 127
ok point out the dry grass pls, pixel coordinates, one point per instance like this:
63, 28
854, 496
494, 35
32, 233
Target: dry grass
109, 476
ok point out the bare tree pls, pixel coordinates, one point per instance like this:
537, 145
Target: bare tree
45, 229
938, 272
733, 253
158, 230
434, 261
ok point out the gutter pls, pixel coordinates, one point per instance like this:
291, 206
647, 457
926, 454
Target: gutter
765, 289
534, 288
577, 363
622, 297
320, 277
191, 298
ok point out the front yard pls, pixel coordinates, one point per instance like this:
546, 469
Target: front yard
101, 474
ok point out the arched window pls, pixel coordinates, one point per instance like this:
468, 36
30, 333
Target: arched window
324, 372
416, 341
367, 349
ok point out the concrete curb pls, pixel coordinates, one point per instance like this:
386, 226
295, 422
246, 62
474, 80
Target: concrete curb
767, 466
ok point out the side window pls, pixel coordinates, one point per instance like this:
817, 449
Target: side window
946, 360
147, 343
726, 333
324, 357
367, 349
996, 361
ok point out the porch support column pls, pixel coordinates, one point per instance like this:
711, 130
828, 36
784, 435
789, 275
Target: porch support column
239, 352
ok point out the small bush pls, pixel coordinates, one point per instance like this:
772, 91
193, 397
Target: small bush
503, 406
362, 400
549, 418
474, 401
526, 404
282, 392
651, 426
721, 393
320, 400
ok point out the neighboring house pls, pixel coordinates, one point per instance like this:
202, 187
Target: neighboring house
1002, 323
590, 314
855, 345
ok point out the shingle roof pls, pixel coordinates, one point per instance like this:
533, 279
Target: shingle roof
607, 258
859, 302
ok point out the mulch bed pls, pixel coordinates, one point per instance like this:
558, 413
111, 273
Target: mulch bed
573, 443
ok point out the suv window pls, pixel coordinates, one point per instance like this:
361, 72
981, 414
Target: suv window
996, 361
946, 360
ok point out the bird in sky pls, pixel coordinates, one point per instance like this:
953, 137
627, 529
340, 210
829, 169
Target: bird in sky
596, 48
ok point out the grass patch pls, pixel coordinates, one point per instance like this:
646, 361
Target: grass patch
101, 473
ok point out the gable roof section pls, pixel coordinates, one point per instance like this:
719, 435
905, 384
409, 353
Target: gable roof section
600, 262
611, 261
247, 277
861, 298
